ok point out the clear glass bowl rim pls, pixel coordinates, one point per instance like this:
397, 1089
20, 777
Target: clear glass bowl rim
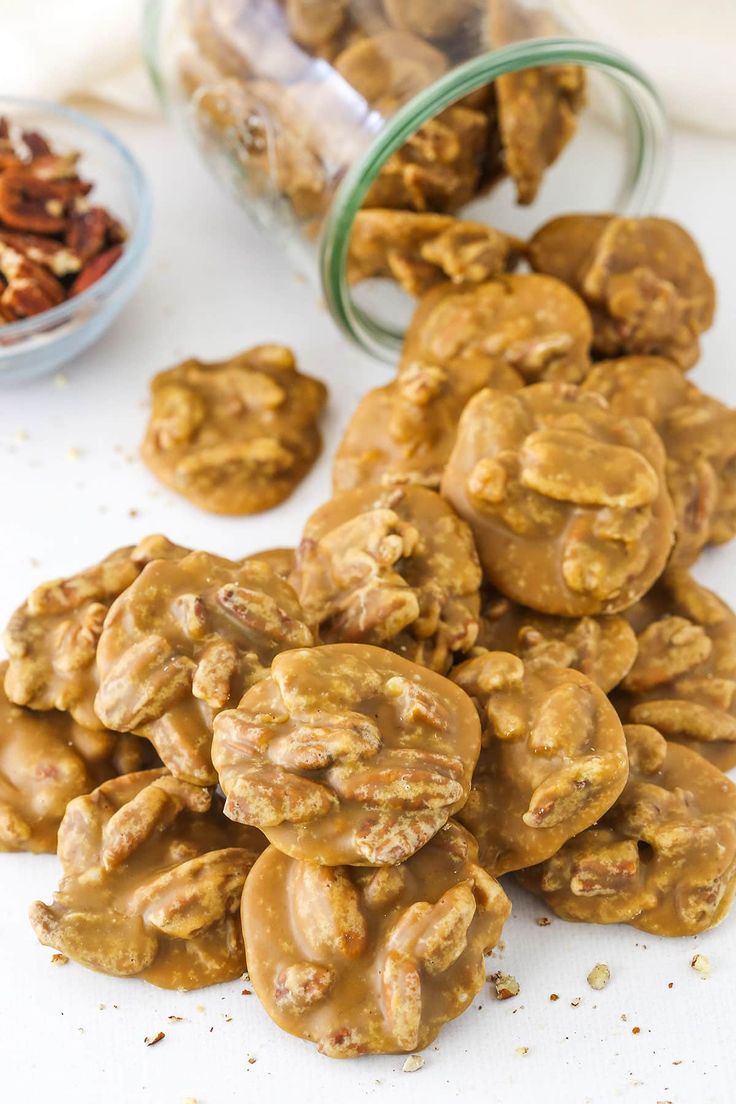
135, 245
651, 141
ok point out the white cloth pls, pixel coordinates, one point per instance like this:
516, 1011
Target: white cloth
686, 47
69, 48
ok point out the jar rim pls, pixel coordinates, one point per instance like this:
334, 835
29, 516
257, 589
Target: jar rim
648, 134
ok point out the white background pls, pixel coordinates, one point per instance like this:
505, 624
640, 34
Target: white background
72, 490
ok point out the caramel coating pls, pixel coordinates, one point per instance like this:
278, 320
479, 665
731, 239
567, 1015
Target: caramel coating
699, 436
392, 567
404, 432
525, 327
440, 167
684, 679
235, 436
553, 758
537, 107
280, 560
185, 641
644, 280
419, 251
152, 879
46, 759
371, 961
663, 859
431, 18
346, 753
603, 648
315, 23
568, 503
390, 68
52, 638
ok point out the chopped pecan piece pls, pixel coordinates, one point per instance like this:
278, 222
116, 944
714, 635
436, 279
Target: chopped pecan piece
337, 766
354, 978
663, 858
581, 522
395, 568
152, 879
235, 436
165, 676
553, 758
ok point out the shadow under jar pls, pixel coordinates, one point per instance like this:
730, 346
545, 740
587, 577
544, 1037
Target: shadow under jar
309, 110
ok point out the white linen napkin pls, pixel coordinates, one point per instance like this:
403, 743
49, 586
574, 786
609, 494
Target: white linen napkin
70, 48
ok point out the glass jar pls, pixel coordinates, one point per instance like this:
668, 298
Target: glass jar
309, 110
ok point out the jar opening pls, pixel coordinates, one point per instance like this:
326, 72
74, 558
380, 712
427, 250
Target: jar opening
641, 172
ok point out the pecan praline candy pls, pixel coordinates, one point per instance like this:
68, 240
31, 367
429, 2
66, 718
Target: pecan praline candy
347, 753
364, 961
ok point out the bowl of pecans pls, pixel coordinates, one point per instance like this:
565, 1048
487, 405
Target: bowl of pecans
75, 214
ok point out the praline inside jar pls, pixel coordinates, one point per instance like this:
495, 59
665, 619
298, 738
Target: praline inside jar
310, 110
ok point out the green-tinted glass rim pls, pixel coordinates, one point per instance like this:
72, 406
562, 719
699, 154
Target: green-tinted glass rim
648, 135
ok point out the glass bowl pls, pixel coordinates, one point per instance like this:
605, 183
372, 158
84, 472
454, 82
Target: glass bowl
37, 345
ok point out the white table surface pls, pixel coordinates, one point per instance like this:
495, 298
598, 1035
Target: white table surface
72, 490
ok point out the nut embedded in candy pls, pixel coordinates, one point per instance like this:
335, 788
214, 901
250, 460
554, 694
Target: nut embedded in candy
552, 761
644, 280
699, 436
421, 250
603, 648
46, 759
510, 330
234, 436
152, 879
371, 961
393, 567
684, 679
567, 502
52, 638
347, 753
183, 642
662, 859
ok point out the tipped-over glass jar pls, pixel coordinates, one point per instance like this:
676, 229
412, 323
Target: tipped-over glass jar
312, 110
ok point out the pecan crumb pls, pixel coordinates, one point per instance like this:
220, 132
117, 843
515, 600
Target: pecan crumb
635, 1030
59, 959
506, 985
151, 1040
175, 1019
670, 984
554, 996
543, 921
522, 1050
575, 1002
599, 976
251, 1060
413, 1063
246, 993
701, 965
